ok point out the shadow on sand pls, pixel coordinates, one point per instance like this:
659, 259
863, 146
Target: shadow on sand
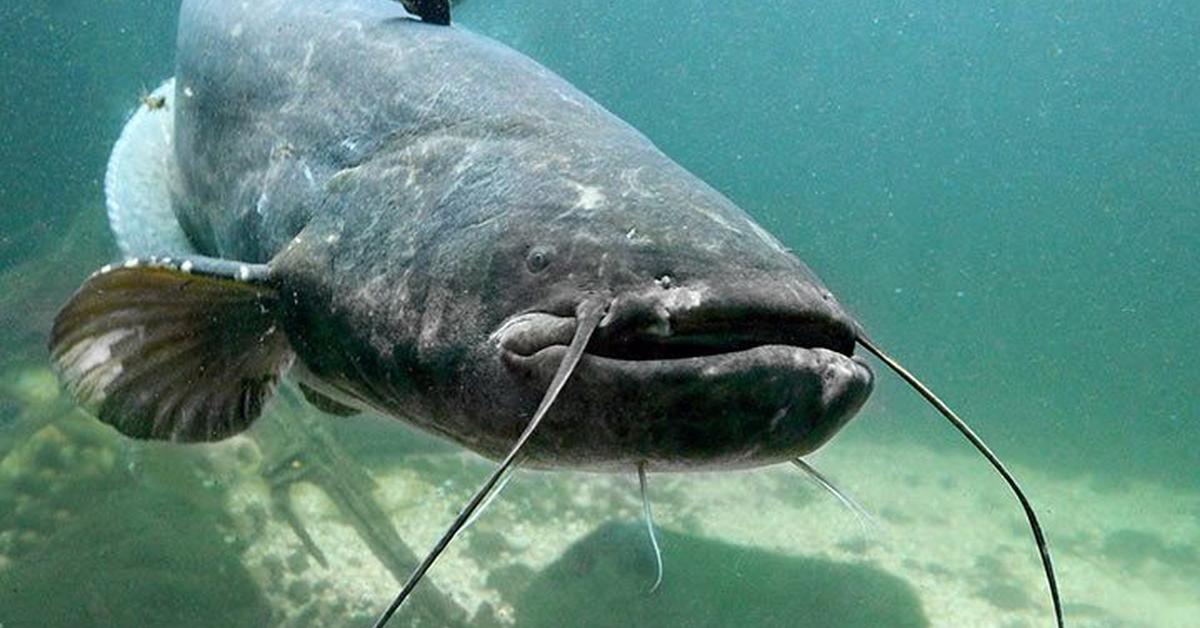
603, 580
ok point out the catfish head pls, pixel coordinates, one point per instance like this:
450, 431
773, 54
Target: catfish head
718, 348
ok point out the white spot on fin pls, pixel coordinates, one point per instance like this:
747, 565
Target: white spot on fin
88, 366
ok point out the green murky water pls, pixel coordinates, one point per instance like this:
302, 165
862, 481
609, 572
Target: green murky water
1006, 194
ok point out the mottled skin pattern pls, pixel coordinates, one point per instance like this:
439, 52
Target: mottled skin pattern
413, 187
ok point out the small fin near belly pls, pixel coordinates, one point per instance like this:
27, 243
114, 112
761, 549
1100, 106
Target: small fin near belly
137, 184
183, 350
325, 404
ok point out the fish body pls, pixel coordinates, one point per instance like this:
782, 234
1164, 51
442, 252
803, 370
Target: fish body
420, 211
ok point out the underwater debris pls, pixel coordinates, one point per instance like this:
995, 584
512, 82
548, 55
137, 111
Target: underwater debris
152, 102
302, 449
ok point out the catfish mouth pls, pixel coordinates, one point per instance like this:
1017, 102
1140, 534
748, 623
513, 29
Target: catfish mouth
640, 332
690, 379
717, 337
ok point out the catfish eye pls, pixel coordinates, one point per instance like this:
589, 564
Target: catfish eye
539, 258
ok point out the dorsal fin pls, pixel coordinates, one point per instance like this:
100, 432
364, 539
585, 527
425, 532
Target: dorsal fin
432, 11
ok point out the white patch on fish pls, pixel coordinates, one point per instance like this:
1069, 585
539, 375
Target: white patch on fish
685, 298
715, 217
590, 196
631, 178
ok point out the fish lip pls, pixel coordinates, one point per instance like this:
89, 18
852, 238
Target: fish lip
708, 365
741, 408
536, 341
666, 338
528, 333
799, 357
715, 338
697, 325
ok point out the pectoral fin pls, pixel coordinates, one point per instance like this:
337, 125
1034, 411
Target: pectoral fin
183, 350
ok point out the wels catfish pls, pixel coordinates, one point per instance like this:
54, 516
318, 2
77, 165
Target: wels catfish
412, 219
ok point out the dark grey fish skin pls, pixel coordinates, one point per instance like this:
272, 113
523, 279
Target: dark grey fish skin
433, 207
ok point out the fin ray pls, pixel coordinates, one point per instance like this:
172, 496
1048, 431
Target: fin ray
325, 403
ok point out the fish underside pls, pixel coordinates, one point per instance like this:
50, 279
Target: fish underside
412, 219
